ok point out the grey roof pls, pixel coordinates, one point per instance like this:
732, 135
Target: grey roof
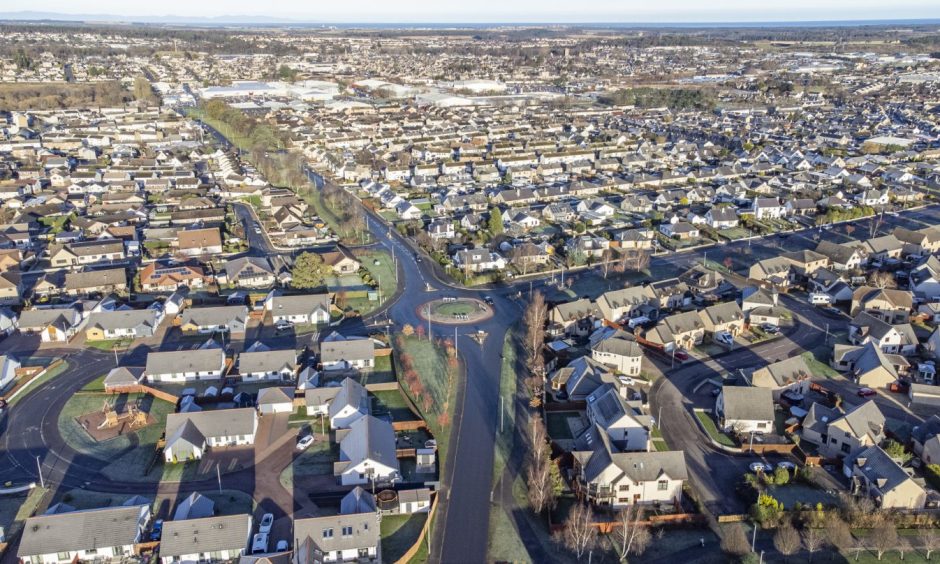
348, 349
214, 423
351, 393
39, 318
267, 361
747, 403
726, 312
881, 471
195, 506
275, 394
819, 417
575, 310
300, 305
620, 343
123, 319
96, 278
209, 534
217, 315
124, 376
927, 430
787, 371
369, 439
175, 362
357, 501
685, 322
638, 466
81, 530
866, 419
311, 534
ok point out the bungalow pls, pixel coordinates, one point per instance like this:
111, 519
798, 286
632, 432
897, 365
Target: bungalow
341, 261
122, 323
280, 364
478, 260
679, 230
250, 272
197, 242
190, 541
721, 217
344, 353
189, 435
367, 454
745, 409
185, 365
312, 309
157, 278
96, 282
206, 320
109, 533
76, 255
275, 399
53, 324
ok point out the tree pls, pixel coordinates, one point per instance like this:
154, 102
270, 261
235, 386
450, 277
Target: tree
786, 540
633, 535
879, 279
928, 540
896, 451
579, 534
309, 271
813, 541
541, 478
534, 319
884, 537
838, 533
495, 222
734, 540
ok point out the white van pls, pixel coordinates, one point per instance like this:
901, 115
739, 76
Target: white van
820, 298
634, 322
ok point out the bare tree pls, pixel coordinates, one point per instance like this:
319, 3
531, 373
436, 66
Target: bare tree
903, 546
929, 541
634, 260
787, 540
734, 540
535, 317
539, 474
579, 534
882, 280
838, 533
884, 537
634, 535
813, 541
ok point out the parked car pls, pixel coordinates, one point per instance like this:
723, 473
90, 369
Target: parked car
488, 300
866, 392
786, 465
259, 544
830, 311
157, 530
281, 546
725, 338
769, 328
283, 325
758, 467
267, 520
305, 442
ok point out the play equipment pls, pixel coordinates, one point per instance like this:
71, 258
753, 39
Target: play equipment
136, 417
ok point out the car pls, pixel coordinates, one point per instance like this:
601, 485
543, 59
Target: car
866, 392
304, 443
430, 443
787, 465
265, 525
281, 546
769, 328
488, 300
831, 311
561, 395
758, 467
157, 530
724, 337
792, 397
259, 544
283, 325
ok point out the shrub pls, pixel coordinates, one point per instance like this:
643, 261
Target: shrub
767, 511
781, 476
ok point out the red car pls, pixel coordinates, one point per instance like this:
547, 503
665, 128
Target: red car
866, 392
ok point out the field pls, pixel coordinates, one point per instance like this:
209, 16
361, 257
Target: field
430, 365
57, 95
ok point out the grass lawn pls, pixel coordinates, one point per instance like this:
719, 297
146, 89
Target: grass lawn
96, 385
508, 385
709, 423
430, 363
734, 233
109, 345
454, 308
819, 369
15, 509
383, 273
558, 424
392, 403
383, 371
505, 544
315, 461
399, 534
38, 381
314, 197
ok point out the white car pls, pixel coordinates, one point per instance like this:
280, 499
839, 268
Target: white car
786, 465
304, 443
259, 544
758, 467
265, 525
724, 338
281, 546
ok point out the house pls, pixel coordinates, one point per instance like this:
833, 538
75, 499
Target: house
350, 404
8, 366
185, 365
122, 323
921, 242
924, 279
787, 374
344, 353
249, 272
726, 316
760, 306
581, 377
841, 257
874, 473
216, 538
337, 538
680, 230
867, 364
275, 399
721, 217
623, 422
926, 439
891, 306
573, 318
109, 533
157, 278
680, 330
11, 289
618, 479
96, 282
745, 409
266, 364
775, 271
618, 350
367, 454
768, 208
883, 248
441, 229
891, 339
312, 309
927, 395
838, 434
478, 260
207, 320
628, 303
76, 255
121, 378
341, 261
189, 435
53, 324
198, 242
671, 293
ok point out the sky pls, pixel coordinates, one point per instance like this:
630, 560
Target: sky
483, 11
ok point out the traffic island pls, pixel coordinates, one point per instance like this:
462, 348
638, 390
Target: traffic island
455, 311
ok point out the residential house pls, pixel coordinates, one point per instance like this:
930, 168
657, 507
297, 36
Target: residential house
573, 318
312, 309
622, 421
122, 324
367, 454
53, 324
721, 217
337, 538
185, 365
8, 367
249, 272
157, 278
275, 399
96, 282
189, 435
891, 339
267, 364
726, 316
199, 242
745, 409
841, 257
618, 350
581, 377
84, 253
207, 320
350, 404
344, 353
208, 539
478, 260
921, 242
876, 474
892, 306
926, 440
838, 434
628, 303
768, 208
791, 374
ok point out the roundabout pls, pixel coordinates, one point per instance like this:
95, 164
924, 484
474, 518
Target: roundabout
455, 311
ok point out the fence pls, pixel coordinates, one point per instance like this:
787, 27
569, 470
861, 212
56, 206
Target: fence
23, 382
607, 527
142, 389
425, 530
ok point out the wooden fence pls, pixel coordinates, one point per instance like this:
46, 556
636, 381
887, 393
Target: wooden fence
669, 519
27, 376
142, 389
425, 530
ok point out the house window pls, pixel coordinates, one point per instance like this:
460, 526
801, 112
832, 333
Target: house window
662, 485
846, 448
327, 533
624, 487
64, 556
347, 531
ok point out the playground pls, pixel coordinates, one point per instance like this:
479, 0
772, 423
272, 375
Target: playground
113, 420
455, 311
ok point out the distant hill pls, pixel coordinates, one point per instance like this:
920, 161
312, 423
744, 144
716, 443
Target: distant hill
168, 19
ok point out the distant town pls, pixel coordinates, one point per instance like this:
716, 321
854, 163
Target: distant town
484, 294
